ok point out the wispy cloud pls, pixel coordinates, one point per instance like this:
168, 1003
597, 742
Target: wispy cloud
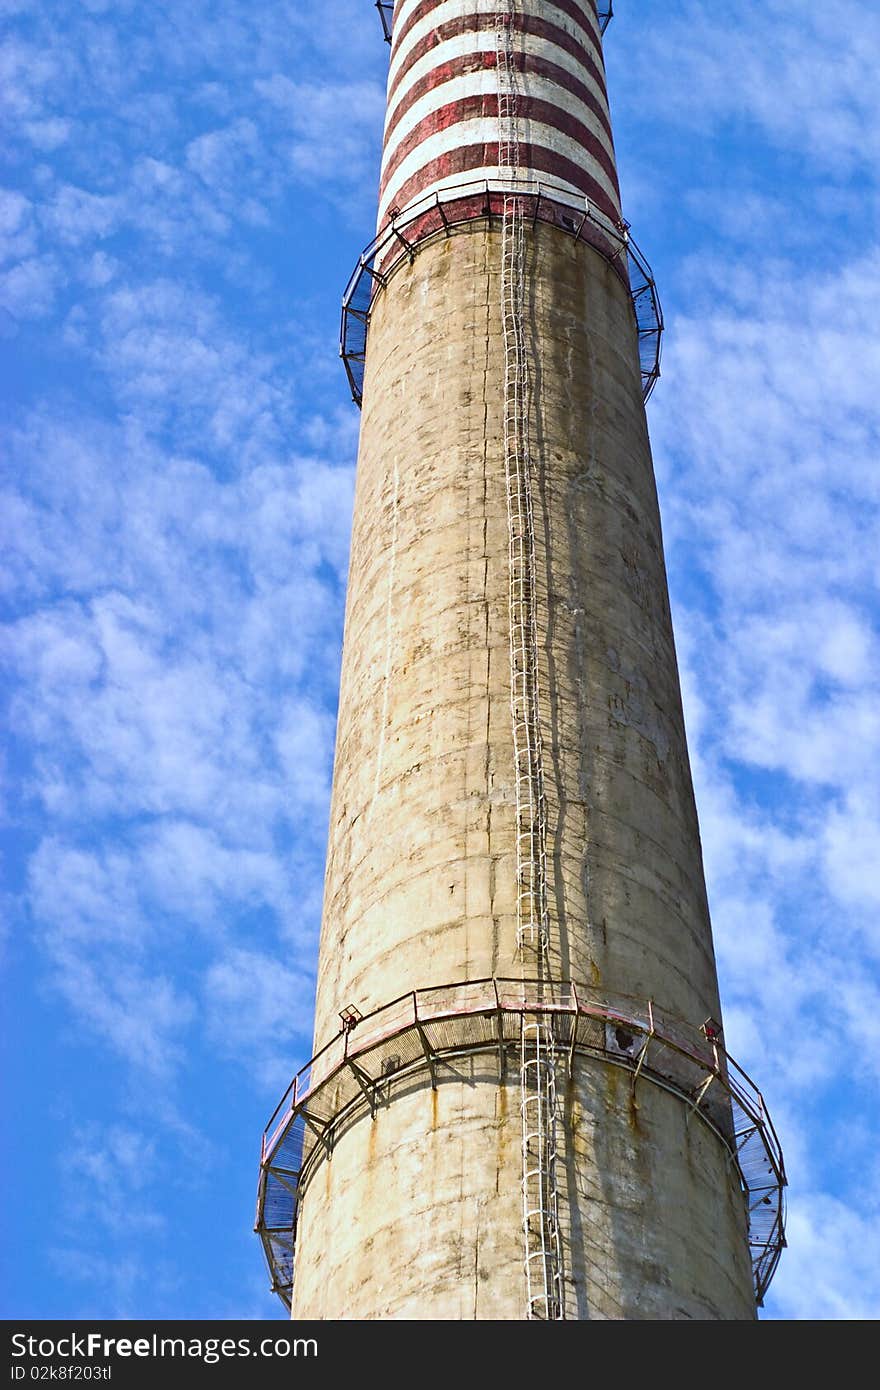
803, 73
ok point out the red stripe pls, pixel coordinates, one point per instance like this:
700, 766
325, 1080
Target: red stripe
483, 62
544, 161
485, 104
480, 23
569, 7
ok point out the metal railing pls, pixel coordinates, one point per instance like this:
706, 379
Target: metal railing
386, 15
604, 12
444, 211
420, 1031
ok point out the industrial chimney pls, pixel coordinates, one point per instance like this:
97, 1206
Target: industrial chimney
520, 1103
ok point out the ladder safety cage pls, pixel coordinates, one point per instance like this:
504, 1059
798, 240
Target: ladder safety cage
540, 1195
542, 1252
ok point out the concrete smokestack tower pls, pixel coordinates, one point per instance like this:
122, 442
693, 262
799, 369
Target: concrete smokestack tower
520, 1104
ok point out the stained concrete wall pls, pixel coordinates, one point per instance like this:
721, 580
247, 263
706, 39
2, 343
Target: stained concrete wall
418, 1214
420, 886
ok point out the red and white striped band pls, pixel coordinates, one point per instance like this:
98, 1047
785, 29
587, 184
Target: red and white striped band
442, 119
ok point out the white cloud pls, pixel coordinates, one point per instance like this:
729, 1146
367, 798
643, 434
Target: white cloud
258, 1007
28, 72
111, 1280
152, 707
140, 1015
851, 845
107, 1173
336, 129
190, 871
48, 134
28, 289
831, 1269
75, 215
775, 482
99, 270
17, 233
217, 156
803, 73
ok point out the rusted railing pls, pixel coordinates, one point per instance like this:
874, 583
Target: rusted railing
422, 1028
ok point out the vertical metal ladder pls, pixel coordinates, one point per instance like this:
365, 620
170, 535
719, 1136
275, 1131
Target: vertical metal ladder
538, 1100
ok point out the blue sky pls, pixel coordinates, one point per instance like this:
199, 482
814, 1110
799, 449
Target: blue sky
186, 188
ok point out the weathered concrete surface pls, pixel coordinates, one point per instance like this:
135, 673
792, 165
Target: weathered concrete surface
418, 1214
420, 886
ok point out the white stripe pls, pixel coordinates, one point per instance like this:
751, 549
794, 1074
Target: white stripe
593, 22
478, 83
455, 9
464, 44
485, 129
